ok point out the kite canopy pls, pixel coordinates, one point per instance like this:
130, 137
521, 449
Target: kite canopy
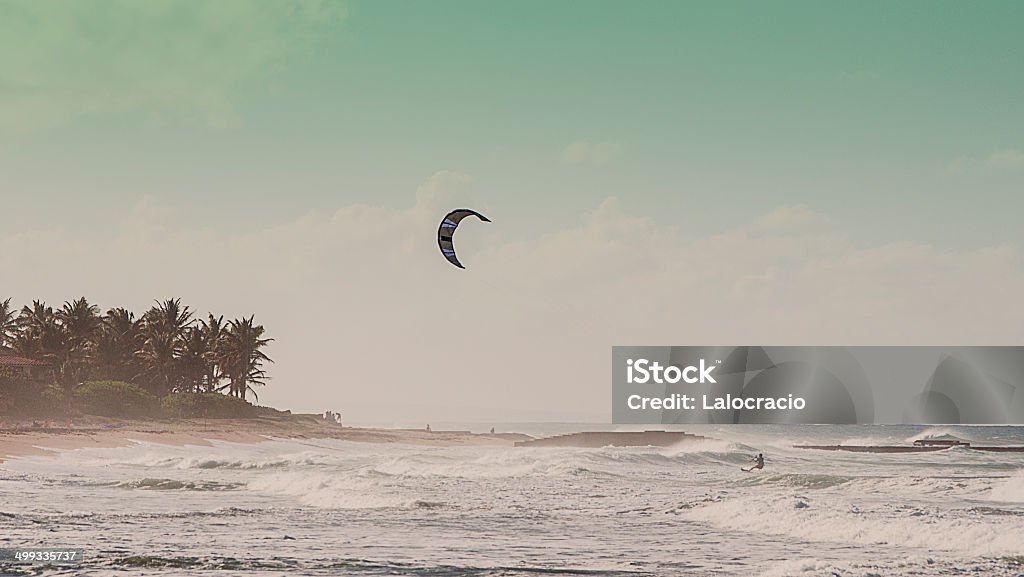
446, 231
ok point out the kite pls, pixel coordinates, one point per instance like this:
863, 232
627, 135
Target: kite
446, 231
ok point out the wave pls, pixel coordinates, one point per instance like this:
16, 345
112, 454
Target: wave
353, 566
451, 462
902, 487
158, 484
905, 565
331, 491
804, 481
196, 563
836, 519
308, 459
557, 462
176, 485
934, 432
1010, 490
793, 567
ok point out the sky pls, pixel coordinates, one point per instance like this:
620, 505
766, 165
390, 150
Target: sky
657, 173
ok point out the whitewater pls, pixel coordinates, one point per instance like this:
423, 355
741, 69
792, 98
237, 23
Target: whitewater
329, 507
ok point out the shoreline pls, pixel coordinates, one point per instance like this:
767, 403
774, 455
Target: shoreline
98, 432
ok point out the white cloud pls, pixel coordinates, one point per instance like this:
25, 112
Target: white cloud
442, 190
1008, 158
791, 218
1003, 160
371, 320
591, 153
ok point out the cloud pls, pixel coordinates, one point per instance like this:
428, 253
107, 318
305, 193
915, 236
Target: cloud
585, 152
792, 218
1003, 160
1006, 159
370, 320
63, 60
442, 190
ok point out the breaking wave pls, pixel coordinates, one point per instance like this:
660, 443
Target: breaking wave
1010, 490
330, 491
815, 517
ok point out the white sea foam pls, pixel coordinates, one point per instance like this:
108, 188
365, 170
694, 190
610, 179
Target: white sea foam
800, 567
1009, 490
437, 507
846, 520
934, 432
330, 491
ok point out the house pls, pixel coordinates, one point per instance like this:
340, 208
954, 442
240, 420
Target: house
21, 366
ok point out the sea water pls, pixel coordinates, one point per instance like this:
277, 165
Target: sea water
329, 507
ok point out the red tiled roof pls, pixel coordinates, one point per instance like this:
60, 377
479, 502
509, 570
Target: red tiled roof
16, 361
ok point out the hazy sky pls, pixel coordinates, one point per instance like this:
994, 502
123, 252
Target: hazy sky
658, 173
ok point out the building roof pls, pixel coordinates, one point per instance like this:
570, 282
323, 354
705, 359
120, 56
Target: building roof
7, 360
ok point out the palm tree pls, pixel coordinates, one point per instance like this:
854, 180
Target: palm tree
164, 327
27, 345
168, 317
116, 343
159, 358
164, 350
8, 324
81, 323
44, 336
192, 360
241, 358
213, 332
81, 319
37, 319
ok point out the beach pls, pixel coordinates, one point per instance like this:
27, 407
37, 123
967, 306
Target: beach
22, 439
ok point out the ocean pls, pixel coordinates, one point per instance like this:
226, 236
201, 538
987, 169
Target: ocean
329, 507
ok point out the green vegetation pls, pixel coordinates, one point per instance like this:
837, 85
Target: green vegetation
28, 397
114, 364
206, 405
116, 399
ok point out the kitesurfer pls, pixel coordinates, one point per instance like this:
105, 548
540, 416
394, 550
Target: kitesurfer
758, 463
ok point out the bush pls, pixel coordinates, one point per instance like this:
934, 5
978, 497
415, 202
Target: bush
115, 399
54, 397
22, 398
206, 405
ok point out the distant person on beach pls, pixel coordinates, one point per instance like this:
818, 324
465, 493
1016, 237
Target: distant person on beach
428, 427
758, 463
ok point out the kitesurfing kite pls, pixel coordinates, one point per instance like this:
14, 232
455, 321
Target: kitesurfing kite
446, 231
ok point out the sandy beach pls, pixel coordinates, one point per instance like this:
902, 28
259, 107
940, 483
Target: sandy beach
97, 432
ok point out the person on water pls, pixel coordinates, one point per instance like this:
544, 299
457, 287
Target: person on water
758, 463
